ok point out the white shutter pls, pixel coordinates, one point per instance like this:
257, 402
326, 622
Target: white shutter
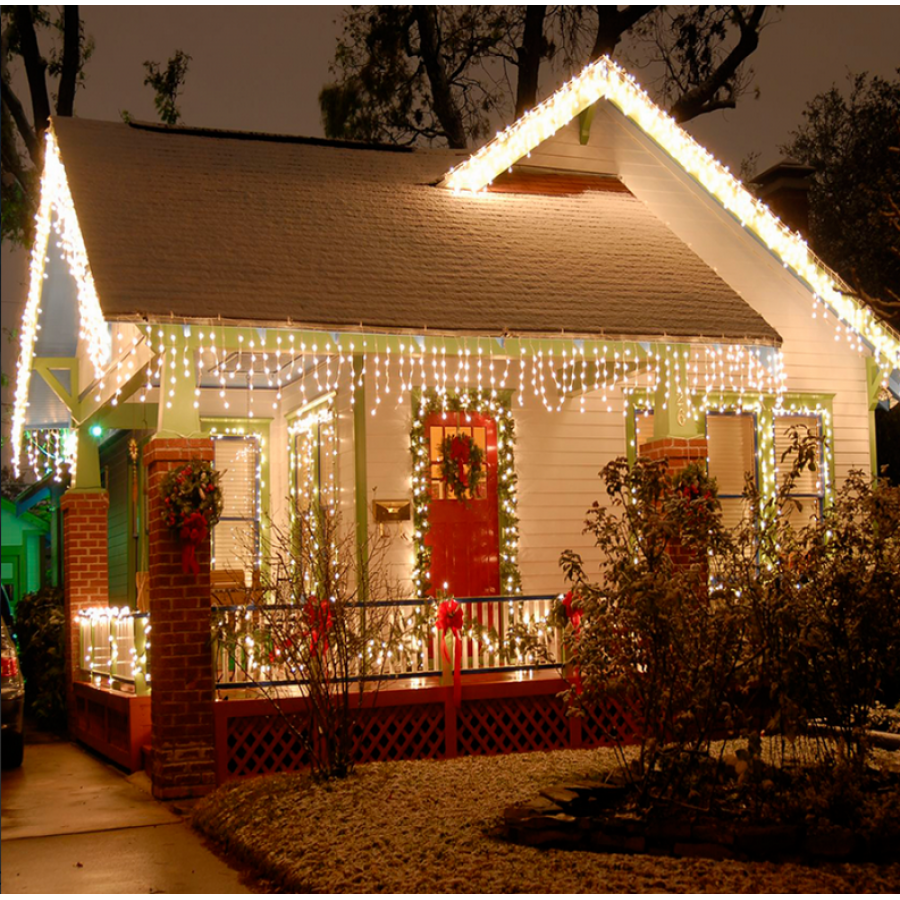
807, 483
237, 459
234, 537
731, 450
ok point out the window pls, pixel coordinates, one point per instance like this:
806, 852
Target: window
437, 434
235, 539
809, 487
731, 451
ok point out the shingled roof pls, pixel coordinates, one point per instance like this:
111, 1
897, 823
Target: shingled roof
258, 228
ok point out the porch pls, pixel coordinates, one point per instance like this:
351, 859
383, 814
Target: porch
408, 711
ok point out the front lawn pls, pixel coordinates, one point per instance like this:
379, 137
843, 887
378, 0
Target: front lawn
423, 827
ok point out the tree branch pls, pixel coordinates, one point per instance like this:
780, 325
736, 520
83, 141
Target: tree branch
695, 101
529, 59
35, 68
612, 23
445, 107
68, 78
17, 111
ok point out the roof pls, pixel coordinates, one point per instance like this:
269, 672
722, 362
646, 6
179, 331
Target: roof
206, 225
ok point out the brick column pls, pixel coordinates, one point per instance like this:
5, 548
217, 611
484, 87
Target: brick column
182, 681
85, 571
679, 453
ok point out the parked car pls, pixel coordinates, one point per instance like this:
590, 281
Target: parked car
12, 712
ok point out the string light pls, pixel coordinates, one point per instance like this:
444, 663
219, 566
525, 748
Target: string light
604, 79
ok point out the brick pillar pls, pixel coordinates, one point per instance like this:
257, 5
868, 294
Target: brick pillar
679, 453
182, 681
85, 571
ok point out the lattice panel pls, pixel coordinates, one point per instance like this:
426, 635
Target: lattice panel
401, 732
511, 725
608, 722
261, 745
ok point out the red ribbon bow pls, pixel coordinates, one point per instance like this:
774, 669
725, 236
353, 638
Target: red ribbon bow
318, 617
194, 531
450, 618
460, 451
574, 617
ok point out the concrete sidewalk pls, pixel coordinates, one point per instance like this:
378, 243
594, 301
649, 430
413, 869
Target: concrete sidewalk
73, 824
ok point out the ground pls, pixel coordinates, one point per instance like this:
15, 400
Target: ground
72, 823
422, 827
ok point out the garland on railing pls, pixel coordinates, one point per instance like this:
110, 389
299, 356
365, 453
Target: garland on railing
481, 402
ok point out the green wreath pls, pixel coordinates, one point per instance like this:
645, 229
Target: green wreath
458, 454
190, 493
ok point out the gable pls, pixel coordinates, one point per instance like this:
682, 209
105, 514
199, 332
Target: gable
559, 132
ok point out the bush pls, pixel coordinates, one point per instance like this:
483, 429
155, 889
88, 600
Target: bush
40, 628
660, 628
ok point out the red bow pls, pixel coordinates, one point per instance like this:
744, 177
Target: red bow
450, 618
460, 452
194, 531
574, 617
318, 616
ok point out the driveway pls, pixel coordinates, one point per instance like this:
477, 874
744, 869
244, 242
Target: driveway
73, 824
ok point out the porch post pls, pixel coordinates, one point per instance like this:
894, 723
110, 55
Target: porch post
85, 573
182, 683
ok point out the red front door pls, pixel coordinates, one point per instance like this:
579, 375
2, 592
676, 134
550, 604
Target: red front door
465, 556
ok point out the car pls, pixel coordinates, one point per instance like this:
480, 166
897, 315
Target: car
12, 712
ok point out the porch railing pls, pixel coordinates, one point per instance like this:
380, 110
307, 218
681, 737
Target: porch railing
245, 640
113, 648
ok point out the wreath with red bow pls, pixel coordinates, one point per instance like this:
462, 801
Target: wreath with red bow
462, 465
192, 505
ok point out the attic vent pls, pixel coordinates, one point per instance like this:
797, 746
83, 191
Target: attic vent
553, 182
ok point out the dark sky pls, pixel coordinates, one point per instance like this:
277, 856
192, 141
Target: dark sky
261, 68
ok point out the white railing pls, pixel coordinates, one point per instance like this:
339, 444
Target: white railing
113, 648
246, 651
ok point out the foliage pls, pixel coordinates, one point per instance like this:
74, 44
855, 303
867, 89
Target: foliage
445, 73
657, 628
773, 625
40, 629
11, 486
167, 84
462, 465
848, 138
323, 633
190, 490
23, 137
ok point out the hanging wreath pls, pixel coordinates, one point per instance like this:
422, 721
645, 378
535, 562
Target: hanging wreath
462, 465
192, 504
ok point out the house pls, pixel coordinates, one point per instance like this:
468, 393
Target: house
320, 317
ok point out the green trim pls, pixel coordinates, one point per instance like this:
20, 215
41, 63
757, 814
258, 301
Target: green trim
230, 337
360, 461
874, 375
87, 466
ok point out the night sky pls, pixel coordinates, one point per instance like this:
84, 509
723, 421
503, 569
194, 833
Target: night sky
261, 68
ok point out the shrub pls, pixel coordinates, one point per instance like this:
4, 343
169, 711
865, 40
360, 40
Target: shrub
660, 628
40, 628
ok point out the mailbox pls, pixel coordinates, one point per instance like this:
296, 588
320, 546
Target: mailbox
391, 510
